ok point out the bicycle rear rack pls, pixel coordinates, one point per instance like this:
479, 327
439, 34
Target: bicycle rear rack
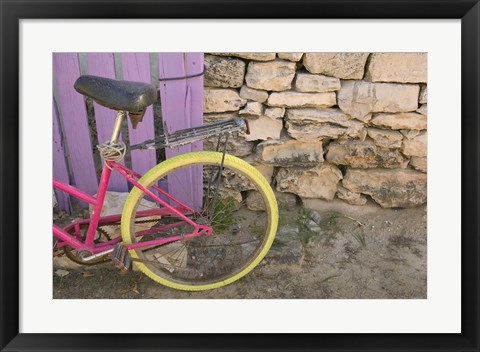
190, 135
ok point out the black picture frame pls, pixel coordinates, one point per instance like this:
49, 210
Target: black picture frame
12, 11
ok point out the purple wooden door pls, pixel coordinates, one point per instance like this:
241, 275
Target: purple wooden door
73, 146
182, 107
75, 126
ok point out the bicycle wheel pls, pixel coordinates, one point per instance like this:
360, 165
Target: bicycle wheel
236, 201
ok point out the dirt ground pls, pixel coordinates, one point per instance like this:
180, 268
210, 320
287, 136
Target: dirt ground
351, 252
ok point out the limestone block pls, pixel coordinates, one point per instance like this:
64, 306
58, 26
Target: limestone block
235, 146
207, 118
385, 138
302, 100
397, 67
290, 56
285, 201
409, 134
360, 98
403, 188
419, 164
351, 197
241, 183
416, 146
264, 169
307, 82
264, 128
253, 110
423, 97
365, 155
423, 110
273, 75
289, 152
221, 100
253, 94
251, 56
340, 65
317, 182
408, 121
275, 113
223, 72
254, 201
310, 125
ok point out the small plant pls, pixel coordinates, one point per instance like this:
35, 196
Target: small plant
278, 244
304, 231
223, 214
359, 235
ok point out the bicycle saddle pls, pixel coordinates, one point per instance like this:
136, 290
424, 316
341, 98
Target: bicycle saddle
133, 97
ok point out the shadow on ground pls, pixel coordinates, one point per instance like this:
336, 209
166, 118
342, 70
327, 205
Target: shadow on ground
348, 252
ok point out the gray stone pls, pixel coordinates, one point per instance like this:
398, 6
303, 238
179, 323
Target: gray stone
286, 201
397, 67
402, 188
365, 155
407, 121
307, 82
293, 99
273, 75
253, 94
317, 182
221, 100
251, 56
289, 152
223, 72
385, 138
340, 65
290, 56
360, 98
310, 125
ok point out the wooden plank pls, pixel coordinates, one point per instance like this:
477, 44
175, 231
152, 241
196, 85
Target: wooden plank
136, 67
102, 64
182, 107
60, 170
73, 113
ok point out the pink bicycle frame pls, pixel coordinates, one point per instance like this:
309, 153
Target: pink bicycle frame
88, 245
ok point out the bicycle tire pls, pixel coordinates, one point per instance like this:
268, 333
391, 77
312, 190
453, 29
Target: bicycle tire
265, 236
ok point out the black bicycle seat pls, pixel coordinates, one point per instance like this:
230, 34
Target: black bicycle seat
128, 96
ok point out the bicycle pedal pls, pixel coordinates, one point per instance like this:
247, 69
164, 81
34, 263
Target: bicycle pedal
121, 257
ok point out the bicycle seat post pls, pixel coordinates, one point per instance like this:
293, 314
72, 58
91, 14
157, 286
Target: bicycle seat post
117, 127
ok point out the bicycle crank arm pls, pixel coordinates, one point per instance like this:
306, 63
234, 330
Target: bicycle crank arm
97, 255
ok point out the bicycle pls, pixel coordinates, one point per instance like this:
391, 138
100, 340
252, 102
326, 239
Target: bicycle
180, 238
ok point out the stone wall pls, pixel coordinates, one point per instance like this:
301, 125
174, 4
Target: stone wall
326, 125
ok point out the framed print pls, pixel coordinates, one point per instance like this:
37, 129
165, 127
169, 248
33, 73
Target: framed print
431, 305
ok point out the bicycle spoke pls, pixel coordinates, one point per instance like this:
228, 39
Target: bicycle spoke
238, 233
